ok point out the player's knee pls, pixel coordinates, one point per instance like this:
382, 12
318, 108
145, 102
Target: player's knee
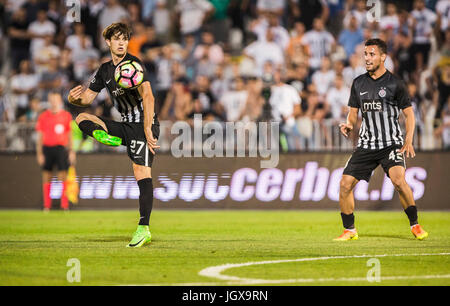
399, 182
81, 117
346, 187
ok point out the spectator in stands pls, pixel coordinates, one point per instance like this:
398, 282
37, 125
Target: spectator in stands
337, 98
90, 14
323, 78
253, 109
298, 78
208, 49
423, 20
351, 37
443, 14
295, 43
164, 64
270, 22
192, 15
390, 20
359, 11
353, 70
45, 54
233, 101
112, 12
19, 38
6, 108
320, 43
23, 85
51, 80
203, 100
444, 128
161, 20
33, 111
219, 84
138, 39
38, 30
33, 7
265, 51
219, 22
306, 11
265, 7
403, 59
178, 102
285, 102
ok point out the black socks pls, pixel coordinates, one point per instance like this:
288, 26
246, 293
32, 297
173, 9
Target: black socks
145, 200
348, 220
411, 212
87, 127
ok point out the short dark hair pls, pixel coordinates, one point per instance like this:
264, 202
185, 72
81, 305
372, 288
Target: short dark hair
377, 42
117, 28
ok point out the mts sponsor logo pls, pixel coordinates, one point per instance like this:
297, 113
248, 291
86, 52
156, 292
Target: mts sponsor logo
372, 106
310, 183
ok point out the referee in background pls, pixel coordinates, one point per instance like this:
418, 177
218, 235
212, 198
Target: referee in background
380, 96
54, 147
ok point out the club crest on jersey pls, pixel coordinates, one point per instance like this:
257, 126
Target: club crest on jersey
382, 92
372, 105
118, 92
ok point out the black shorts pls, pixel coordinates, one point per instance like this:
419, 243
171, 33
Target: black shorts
364, 161
133, 137
55, 156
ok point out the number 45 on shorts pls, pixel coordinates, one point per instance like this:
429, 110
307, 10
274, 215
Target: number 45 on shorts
396, 156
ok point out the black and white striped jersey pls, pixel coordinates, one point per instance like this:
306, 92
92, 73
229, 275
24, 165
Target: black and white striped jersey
380, 101
127, 101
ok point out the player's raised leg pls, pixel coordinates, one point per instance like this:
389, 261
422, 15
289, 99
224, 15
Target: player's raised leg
143, 177
347, 205
397, 176
96, 128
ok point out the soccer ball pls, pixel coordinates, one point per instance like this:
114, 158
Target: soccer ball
129, 74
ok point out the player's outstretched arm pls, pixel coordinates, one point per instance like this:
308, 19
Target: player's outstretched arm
148, 103
79, 97
410, 123
347, 127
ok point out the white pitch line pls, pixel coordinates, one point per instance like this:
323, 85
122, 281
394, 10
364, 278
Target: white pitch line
215, 272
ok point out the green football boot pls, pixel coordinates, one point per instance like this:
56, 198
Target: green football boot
140, 237
103, 137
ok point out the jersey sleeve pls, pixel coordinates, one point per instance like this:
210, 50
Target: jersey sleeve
402, 95
97, 83
353, 101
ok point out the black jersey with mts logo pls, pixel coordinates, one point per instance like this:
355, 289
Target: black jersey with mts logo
380, 101
127, 101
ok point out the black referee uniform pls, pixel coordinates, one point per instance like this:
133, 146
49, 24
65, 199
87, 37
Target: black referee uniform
129, 103
380, 136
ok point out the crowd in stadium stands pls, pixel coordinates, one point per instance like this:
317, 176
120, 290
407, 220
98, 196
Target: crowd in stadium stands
292, 61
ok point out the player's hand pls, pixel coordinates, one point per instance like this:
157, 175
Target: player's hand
40, 159
151, 142
345, 128
408, 149
75, 93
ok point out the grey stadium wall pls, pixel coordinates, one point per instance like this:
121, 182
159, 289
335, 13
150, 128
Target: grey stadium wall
300, 181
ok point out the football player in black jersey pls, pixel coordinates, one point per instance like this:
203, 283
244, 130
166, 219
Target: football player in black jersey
139, 128
380, 96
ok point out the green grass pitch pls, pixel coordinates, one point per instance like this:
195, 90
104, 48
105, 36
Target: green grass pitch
35, 247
